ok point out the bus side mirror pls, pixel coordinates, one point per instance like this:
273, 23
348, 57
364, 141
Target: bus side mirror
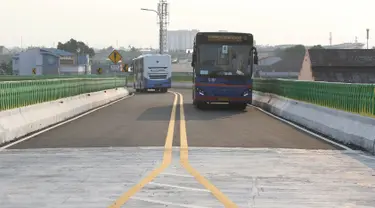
193, 59
125, 68
256, 59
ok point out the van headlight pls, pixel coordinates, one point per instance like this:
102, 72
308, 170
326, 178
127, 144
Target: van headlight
199, 91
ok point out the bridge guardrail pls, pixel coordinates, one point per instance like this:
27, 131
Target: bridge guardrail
14, 94
355, 98
39, 77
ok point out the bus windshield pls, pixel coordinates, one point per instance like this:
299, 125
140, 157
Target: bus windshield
222, 59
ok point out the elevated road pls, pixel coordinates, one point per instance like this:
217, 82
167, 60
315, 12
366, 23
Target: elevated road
143, 121
157, 150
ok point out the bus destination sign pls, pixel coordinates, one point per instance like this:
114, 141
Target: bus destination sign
226, 38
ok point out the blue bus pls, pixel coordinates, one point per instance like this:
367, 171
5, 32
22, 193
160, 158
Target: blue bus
223, 65
152, 71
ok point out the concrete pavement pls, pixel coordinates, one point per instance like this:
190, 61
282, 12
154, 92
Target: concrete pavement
283, 167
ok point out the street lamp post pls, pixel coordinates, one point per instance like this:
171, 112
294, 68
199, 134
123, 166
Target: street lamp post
161, 47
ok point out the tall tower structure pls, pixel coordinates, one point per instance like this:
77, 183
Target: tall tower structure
163, 13
330, 38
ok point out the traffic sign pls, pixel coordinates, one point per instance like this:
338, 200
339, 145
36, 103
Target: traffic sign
125, 68
115, 67
34, 70
99, 70
115, 57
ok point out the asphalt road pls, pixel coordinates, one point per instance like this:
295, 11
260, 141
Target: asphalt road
143, 120
223, 127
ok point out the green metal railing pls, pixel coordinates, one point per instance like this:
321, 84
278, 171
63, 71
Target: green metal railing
28, 90
39, 77
355, 98
14, 94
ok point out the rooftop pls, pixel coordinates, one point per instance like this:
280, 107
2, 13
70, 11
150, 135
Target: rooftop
58, 52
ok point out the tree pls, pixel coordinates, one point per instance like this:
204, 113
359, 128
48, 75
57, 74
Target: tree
291, 51
317, 47
110, 48
72, 46
7, 67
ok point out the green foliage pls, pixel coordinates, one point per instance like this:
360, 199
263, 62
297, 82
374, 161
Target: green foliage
72, 46
291, 51
6, 67
317, 47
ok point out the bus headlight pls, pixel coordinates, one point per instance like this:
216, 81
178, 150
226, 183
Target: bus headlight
200, 92
246, 92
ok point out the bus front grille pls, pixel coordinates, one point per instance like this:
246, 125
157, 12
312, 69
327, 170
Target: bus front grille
158, 76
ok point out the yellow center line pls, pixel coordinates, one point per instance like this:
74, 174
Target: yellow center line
167, 158
185, 162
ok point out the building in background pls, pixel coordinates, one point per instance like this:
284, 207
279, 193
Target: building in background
181, 39
3, 50
339, 65
49, 61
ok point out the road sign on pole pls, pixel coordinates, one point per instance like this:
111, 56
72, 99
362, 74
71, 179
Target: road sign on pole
115, 67
34, 70
115, 57
99, 70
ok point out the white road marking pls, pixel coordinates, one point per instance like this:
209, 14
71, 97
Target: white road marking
303, 129
175, 174
179, 187
166, 203
62, 123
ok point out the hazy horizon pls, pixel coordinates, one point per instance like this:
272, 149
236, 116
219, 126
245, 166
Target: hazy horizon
102, 23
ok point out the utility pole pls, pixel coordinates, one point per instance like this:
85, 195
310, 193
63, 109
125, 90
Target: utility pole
367, 35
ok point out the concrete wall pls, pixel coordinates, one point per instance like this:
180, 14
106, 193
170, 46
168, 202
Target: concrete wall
16, 123
50, 64
347, 128
28, 60
72, 69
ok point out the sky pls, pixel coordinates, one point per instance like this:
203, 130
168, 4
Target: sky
102, 23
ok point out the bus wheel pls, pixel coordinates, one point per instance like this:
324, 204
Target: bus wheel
241, 106
200, 105
164, 90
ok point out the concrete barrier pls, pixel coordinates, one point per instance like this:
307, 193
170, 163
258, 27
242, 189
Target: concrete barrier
16, 123
350, 129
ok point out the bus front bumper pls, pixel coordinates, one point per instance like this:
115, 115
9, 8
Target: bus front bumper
223, 99
152, 84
